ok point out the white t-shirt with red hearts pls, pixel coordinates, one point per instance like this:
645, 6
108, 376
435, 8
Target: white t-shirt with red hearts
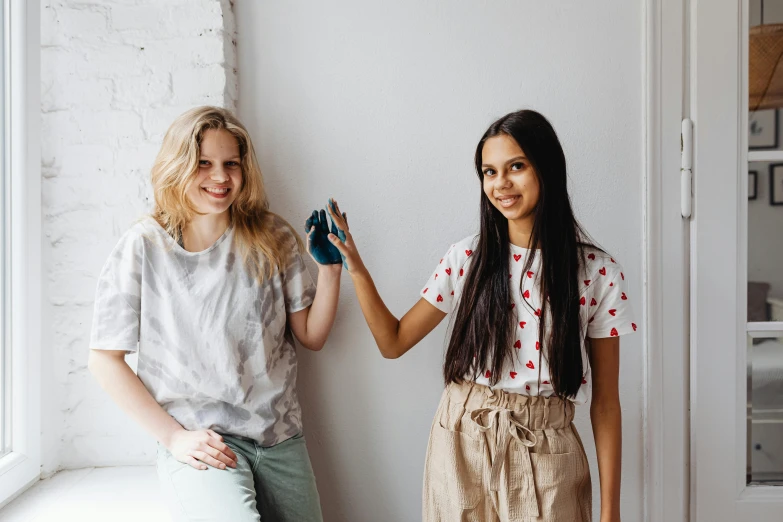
605, 311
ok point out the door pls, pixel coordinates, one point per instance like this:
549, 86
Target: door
736, 287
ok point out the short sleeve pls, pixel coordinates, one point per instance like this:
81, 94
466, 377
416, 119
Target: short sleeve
298, 286
612, 314
115, 324
441, 286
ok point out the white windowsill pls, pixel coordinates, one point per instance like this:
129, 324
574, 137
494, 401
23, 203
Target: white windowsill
128, 493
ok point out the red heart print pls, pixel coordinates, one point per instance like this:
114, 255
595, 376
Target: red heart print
425, 291
530, 275
612, 312
611, 259
518, 344
461, 271
611, 284
614, 333
488, 374
538, 312
621, 275
530, 365
545, 382
440, 298
584, 381
513, 374
593, 302
583, 301
526, 295
527, 387
602, 271
587, 282
633, 325
441, 261
517, 257
538, 345
522, 324
591, 256
436, 276
591, 320
623, 297
452, 292
513, 305
510, 276
468, 252
448, 271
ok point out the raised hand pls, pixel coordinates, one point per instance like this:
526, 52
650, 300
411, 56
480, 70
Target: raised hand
318, 244
343, 239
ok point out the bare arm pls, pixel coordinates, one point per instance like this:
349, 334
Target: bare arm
606, 419
312, 325
124, 387
394, 337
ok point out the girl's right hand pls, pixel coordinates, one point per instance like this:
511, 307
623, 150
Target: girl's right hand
201, 447
353, 261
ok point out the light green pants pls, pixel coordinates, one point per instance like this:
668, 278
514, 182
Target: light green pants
274, 484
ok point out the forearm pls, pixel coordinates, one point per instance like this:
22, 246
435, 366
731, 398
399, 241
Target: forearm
607, 430
124, 387
382, 323
394, 337
320, 318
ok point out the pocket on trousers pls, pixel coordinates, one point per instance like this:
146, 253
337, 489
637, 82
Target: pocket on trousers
456, 466
562, 485
165, 462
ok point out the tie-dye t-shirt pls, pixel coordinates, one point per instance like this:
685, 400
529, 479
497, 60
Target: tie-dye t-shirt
214, 349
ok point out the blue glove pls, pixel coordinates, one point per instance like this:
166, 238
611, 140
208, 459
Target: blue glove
322, 250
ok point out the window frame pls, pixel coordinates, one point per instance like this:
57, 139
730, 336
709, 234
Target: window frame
21, 467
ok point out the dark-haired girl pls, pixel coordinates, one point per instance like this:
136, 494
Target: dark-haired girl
537, 311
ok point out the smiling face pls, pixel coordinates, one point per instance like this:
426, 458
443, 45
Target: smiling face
509, 180
219, 176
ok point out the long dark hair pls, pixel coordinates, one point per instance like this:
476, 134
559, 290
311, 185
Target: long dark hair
484, 322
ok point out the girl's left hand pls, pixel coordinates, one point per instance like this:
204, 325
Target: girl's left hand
318, 245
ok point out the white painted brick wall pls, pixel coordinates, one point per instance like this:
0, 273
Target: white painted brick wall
114, 73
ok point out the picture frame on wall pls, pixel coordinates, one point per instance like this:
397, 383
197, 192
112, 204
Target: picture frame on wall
753, 184
776, 184
763, 130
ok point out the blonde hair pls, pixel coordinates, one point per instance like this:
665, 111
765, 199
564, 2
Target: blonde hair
262, 236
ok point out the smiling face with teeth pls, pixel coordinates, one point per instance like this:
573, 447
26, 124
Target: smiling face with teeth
510, 182
219, 176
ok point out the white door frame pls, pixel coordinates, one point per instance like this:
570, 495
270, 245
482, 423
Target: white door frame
666, 268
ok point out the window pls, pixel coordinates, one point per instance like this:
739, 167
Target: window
20, 247
764, 248
5, 354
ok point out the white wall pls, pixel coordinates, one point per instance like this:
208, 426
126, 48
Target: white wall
115, 73
380, 104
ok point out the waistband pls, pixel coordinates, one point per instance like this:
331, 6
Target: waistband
534, 412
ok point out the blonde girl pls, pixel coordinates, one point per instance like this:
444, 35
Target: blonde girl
211, 290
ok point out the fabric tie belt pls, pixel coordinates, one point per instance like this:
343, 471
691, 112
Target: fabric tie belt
508, 428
